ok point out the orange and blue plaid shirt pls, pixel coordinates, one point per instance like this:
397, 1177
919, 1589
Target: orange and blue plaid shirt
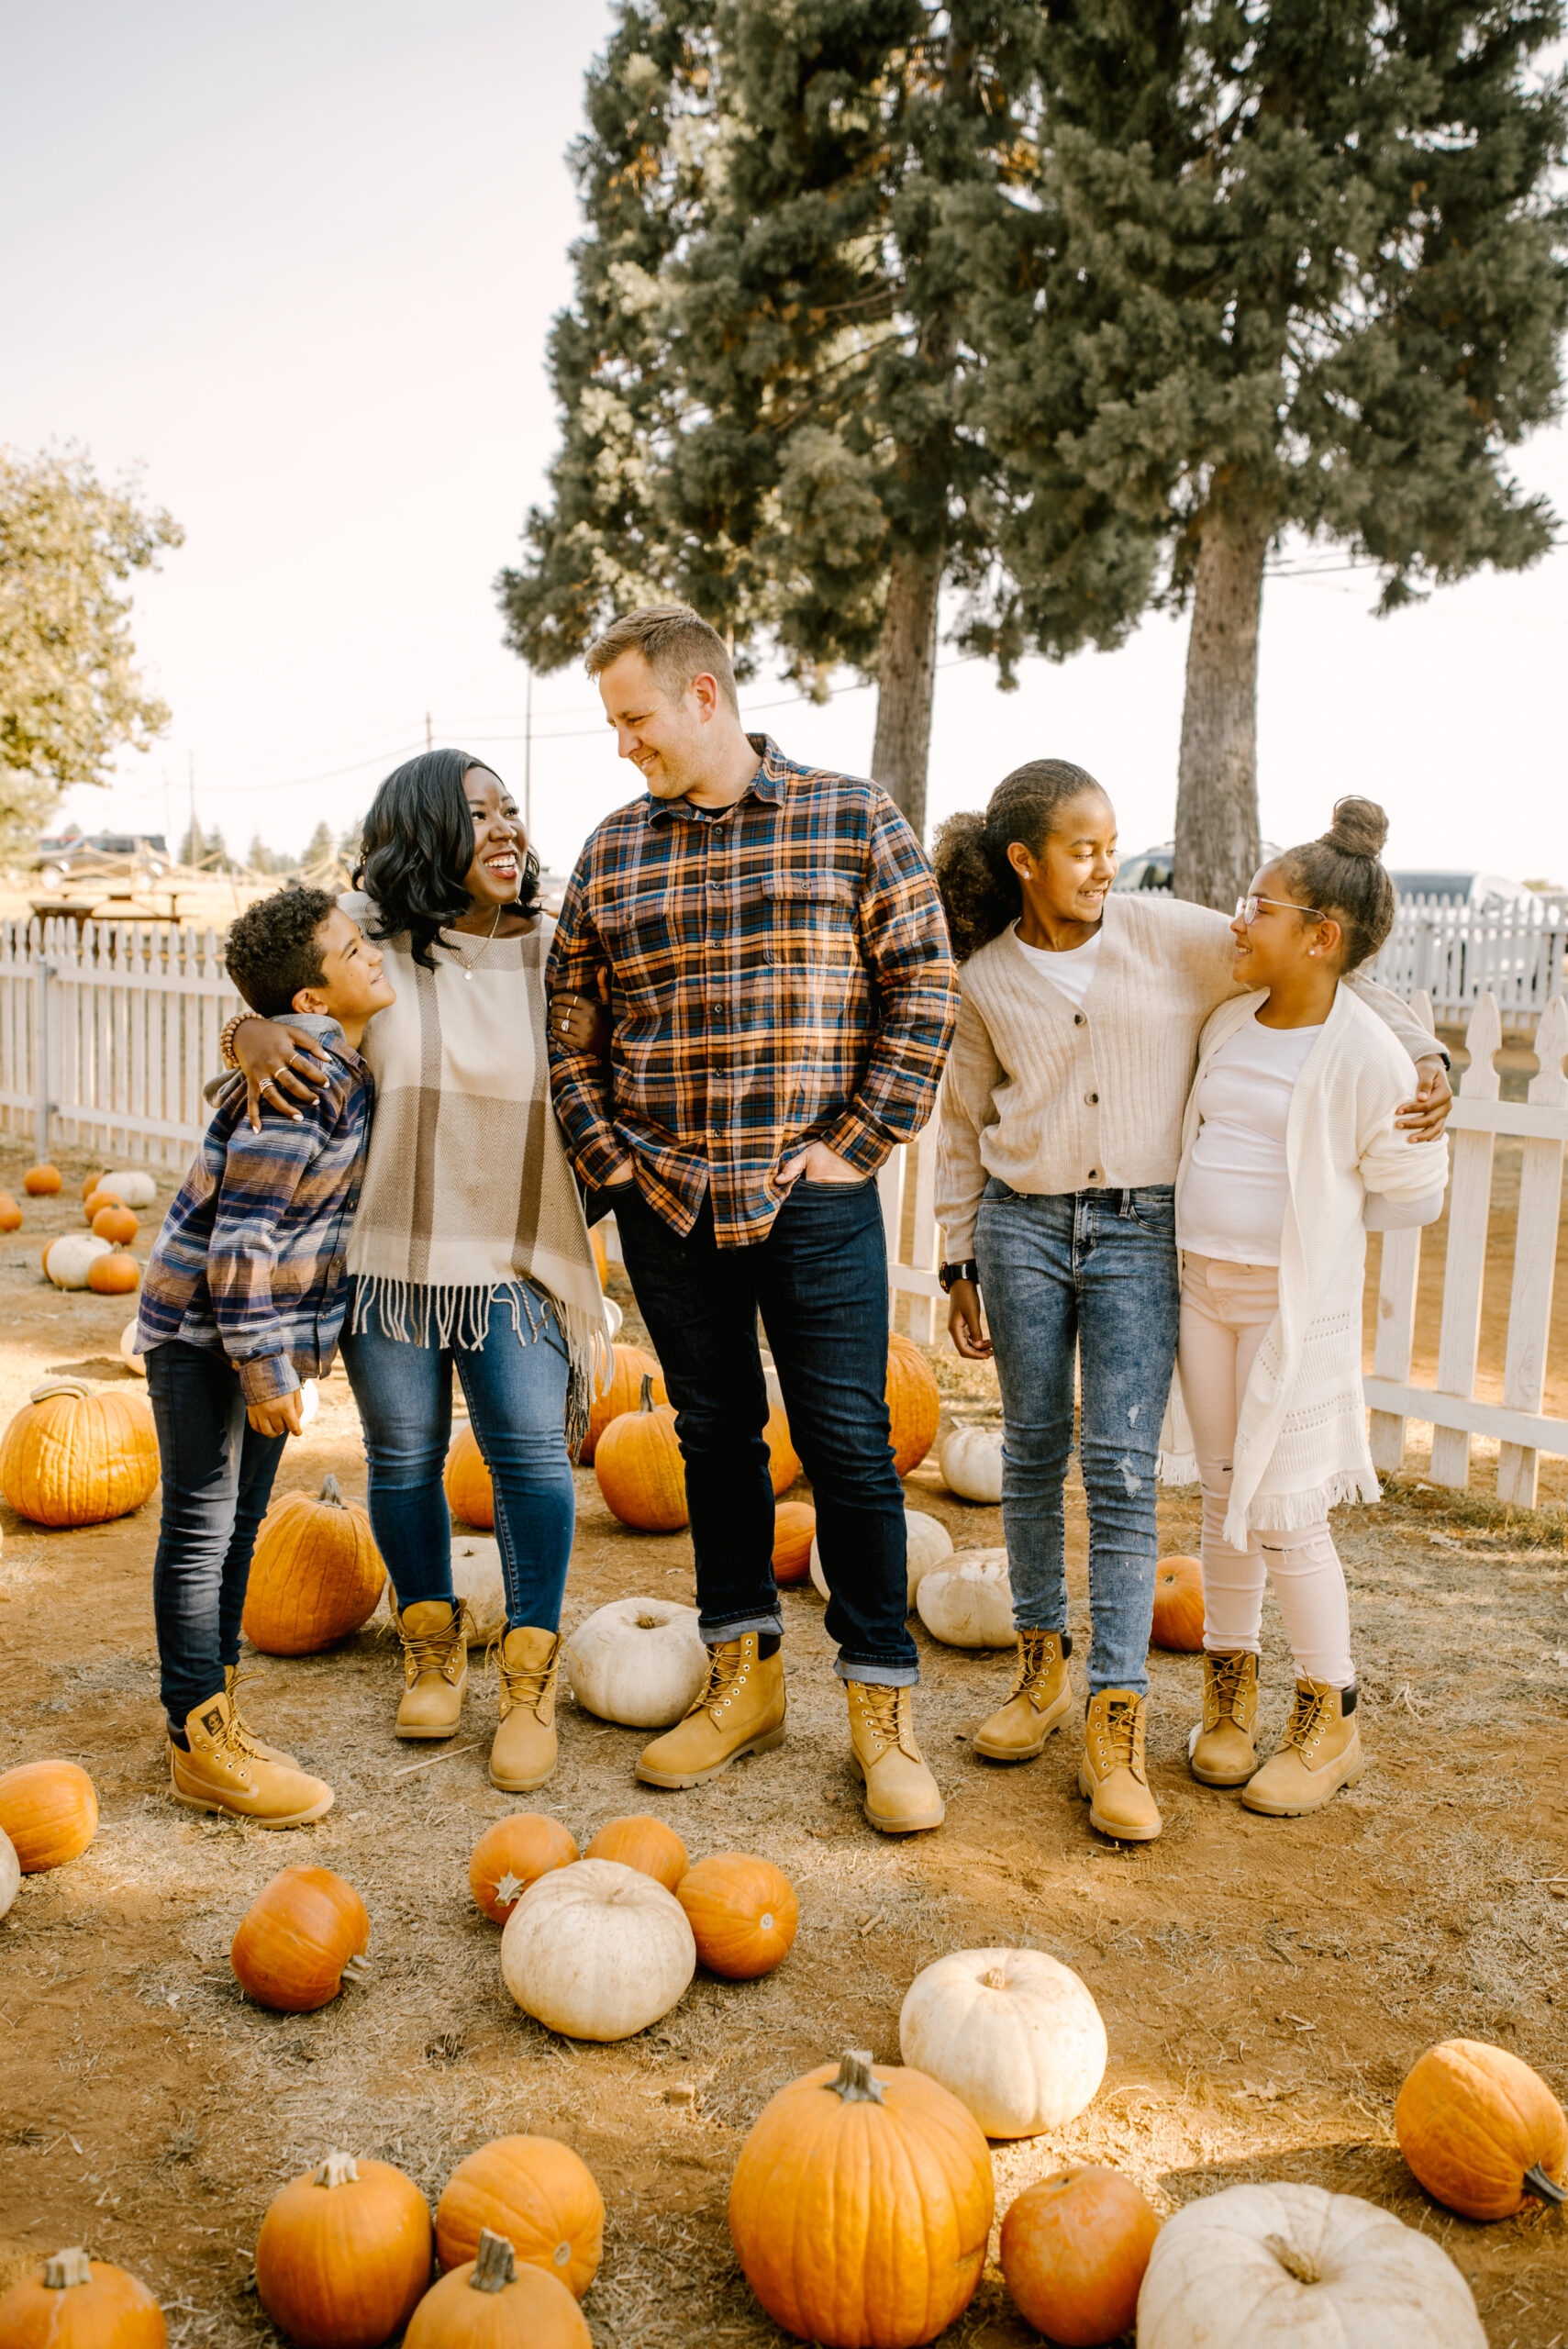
779, 975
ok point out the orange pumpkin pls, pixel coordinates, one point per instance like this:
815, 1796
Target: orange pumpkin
116, 1274
1178, 1605
41, 1182
630, 1366
99, 1197
794, 1530
92, 1182
72, 1457
301, 1939
1074, 2251
343, 2256
513, 1854
601, 1255
10, 1213
80, 2303
536, 2192
491, 2302
914, 1405
1481, 2130
742, 1912
860, 2206
50, 1811
471, 1496
116, 1224
638, 1463
641, 1841
315, 1576
783, 1461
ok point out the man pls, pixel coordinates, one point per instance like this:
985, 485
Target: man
783, 997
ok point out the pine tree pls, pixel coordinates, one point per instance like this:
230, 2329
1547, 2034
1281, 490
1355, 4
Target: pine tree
193, 848
1294, 263
319, 850
763, 378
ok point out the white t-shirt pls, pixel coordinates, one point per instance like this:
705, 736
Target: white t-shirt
1236, 1188
1071, 969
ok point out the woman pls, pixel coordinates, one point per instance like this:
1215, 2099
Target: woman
1060, 1136
1289, 1151
469, 1250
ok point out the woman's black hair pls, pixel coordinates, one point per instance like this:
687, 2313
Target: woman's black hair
1341, 874
415, 846
980, 891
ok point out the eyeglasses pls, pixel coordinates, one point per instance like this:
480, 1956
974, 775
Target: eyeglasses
1247, 908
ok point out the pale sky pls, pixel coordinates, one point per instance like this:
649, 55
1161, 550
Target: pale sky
298, 262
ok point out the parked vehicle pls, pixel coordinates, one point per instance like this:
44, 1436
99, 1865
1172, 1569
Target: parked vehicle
1479, 890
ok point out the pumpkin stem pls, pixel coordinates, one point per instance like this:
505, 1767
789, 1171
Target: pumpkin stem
67, 2267
1294, 2262
645, 1401
856, 2082
332, 1493
495, 2263
57, 1386
338, 2169
993, 1979
357, 1968
1547, 2187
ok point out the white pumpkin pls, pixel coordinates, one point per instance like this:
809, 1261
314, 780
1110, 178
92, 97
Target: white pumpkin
69, 1259
1295, 2267
968, 1603
927, 1544
637, 1661
971, 1462
10, 1872
1010, 2032
476, 1577
136, 1364
597, 1951
133, 1185
613, 1317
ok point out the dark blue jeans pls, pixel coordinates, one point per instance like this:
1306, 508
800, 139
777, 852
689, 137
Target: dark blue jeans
217, 1479
819, 1280
516, 1404
1091, 1274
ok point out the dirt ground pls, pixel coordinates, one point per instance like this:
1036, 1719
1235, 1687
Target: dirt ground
1264, 1985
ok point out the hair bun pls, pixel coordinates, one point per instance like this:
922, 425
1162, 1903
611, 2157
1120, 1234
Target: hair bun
1360, 829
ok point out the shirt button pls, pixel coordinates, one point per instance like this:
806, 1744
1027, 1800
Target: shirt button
1080, 1019
1093, 1173
1093, 1100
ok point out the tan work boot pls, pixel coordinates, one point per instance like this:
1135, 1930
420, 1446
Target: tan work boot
232, 1676
435, 1667
901, 1794
1220, 1752
222, 1773
1319, 1753
523, 1754
1041, 1696
1112, 1773
739, 1709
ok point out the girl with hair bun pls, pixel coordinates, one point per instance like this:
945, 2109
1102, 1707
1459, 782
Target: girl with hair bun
1060, 1139
1290, 1148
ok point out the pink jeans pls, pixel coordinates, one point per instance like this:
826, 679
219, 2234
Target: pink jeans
1226, 1309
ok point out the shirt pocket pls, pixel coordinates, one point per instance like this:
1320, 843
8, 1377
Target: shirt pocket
642, 931
809, 921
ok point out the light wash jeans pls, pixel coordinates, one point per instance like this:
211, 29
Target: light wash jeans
1091, 1274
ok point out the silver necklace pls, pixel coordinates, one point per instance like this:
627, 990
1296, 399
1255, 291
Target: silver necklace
469, 968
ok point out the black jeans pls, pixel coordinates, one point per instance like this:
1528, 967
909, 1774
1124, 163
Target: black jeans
218, 1479
819, 1280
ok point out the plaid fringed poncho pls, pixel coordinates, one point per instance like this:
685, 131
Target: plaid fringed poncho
467, 1188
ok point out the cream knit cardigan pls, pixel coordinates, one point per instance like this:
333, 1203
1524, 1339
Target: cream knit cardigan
1048, 1097
1301, 1442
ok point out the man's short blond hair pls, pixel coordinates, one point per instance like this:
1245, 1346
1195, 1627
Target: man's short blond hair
677, 644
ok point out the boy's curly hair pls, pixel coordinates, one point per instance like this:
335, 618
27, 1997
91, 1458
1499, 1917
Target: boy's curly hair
274, 949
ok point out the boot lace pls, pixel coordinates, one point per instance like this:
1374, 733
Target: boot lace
1121, 1736
238, 1735
886, 1712
527, 1685
1309, 1716
1034, 1660
727, 1668
1225, 1685
432, 1650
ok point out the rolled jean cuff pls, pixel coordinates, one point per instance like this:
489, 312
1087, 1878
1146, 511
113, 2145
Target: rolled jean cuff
878, 1675
712, 1631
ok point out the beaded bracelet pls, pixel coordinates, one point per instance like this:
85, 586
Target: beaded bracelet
227, 1034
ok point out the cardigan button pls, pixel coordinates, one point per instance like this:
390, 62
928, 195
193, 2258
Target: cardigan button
1080, 1019
1093, 1100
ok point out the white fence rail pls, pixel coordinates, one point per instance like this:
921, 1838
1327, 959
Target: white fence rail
1455, 954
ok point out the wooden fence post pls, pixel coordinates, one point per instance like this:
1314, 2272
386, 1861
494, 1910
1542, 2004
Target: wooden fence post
1394, 1343
1469, 1205
1535, 1260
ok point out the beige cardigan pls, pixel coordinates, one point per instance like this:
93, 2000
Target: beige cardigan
1301, 1443
1049, 1098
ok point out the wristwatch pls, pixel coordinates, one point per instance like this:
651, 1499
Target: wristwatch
948, 1273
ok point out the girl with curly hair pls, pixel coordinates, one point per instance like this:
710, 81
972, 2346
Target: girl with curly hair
1060, 1139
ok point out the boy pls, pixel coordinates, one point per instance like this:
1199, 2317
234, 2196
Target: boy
243, 1298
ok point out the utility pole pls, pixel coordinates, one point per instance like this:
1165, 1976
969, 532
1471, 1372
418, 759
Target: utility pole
191, 773
528, 757
430, 737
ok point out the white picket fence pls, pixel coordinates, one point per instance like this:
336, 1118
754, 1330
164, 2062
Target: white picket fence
1455, 954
